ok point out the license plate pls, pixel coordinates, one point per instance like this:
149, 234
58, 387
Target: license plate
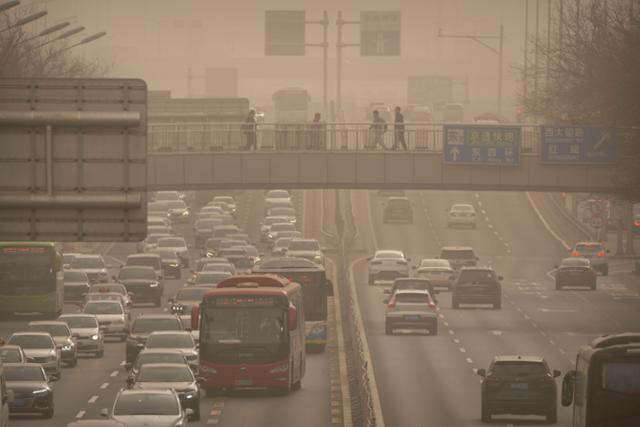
20, 402
411, 317
244, 382
520, 386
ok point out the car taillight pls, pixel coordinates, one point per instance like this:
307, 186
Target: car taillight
575, 254
636, 222
601, 253
392, 303
432, 304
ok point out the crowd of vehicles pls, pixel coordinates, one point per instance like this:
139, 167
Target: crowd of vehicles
243, 319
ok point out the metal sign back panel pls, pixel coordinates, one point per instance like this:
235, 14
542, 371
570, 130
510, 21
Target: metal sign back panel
578, 144
284, 32
482, 144
73, 159
380, 33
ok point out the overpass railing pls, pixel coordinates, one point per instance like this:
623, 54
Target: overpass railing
201, 136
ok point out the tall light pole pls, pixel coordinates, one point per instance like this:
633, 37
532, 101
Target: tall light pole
499, 51
85, 40
8, 5
46, 32
62, 36
24, 21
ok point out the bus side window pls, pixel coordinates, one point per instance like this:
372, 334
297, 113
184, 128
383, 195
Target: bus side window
329, 288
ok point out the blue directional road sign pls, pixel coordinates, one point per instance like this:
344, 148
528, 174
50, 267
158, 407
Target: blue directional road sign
481, 145
380, 33
577, 145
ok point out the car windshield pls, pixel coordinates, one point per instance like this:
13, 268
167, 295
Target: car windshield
411, 284
103, 307
389, 254
32, 341
575, 262
146, 404
479, 276
211, 277
143, 262
153, 238
75, 276
136, 273
176, 204
80, 321
170, 341
428, 263
518, 369
10, 355
409, 298
169, 242
164, 374
120, 289
207, 224
467, 208
54, 330
458, 254
253, 325
143, 326
283, 242
225, 199
270, 220
282, 226
220, 268
24, 373
166, 255
278, 194
100, 296
144, 358
87, 262
191, 294
304, 245
588, 248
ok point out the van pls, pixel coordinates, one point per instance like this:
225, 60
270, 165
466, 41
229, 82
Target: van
459, 256
5, 397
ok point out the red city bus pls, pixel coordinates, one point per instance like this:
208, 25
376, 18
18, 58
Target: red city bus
251, 334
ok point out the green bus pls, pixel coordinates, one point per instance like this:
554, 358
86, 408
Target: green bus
31, 279
604, 389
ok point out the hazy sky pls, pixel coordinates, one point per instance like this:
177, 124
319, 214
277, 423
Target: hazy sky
159, 40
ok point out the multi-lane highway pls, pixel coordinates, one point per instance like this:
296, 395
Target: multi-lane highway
431, 381
92, 385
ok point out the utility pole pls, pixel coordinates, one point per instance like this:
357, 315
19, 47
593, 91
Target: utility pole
525, 76
339, 46
535, 52
325, 57
499, 51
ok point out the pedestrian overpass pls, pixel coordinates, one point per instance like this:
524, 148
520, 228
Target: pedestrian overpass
197, 156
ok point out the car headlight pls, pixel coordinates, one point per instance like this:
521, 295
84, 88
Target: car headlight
95, 337
40, 391
270, 236
153, 284
185, 213
279, 369
318, 257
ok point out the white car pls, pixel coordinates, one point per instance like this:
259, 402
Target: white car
276, 228
274, 197
112, 317
151, 242
39, 347
178, 245
93, 265
177, 211
229, 200
305, 248
438, 271
86, 329
461, 215
268, 221
158, 408
388, 265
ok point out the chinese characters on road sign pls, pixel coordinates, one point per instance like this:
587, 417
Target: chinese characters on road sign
482, 145
577, 145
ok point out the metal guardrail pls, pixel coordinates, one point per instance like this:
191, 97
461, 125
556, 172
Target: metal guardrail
201, 136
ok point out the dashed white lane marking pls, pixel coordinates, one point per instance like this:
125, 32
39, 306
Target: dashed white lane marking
480, 203
440, 315
451, 332
124, 362
114, 374
561, 351
93, 399
80, 414
445, 323
477, 196
103, 386
456, 340
469, 360
462, 350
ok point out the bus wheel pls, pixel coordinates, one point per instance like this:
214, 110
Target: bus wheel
552, 416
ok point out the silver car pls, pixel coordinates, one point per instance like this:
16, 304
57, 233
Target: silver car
306, 248
112, 317
411, 309
61, 334
175, 340
93, 265
86, 329
461, 215
179, 245
157, 408
39, 347
438, 271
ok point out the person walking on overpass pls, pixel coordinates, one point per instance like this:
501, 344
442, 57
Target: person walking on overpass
315, 136
378, 127
398, 130
249, 128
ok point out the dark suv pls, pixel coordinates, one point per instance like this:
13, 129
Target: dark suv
519, 385
398, 209
477, 285
141, 328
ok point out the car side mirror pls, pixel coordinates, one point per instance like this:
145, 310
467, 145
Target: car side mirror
292, 318
200, 380
104, 412
385, 301
556, 373
130, 381
567, 388
140, 345
481, 372
387, 291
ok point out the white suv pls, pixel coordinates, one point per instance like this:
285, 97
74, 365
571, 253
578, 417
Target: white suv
388, 265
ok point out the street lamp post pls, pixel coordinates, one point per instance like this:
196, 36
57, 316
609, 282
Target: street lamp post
85, 40
24, 21
47, 31
498, 51
8, 5
64, 35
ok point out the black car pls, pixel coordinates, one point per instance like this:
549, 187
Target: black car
31, 389
477, 285
76, 285
171, 264
398, 209
575, 272
519, 385
141, 328
142, 283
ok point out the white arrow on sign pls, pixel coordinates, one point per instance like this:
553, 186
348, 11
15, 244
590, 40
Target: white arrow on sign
454, 152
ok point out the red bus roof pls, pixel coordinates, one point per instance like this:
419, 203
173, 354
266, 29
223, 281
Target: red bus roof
253, 284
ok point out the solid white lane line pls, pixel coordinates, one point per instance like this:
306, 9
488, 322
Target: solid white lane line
80, 414
104, 386
93, 399
545, 223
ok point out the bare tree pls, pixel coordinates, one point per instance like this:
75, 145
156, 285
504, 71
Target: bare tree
23, 55
589, 73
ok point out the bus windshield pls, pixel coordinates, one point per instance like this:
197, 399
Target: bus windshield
31, 267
